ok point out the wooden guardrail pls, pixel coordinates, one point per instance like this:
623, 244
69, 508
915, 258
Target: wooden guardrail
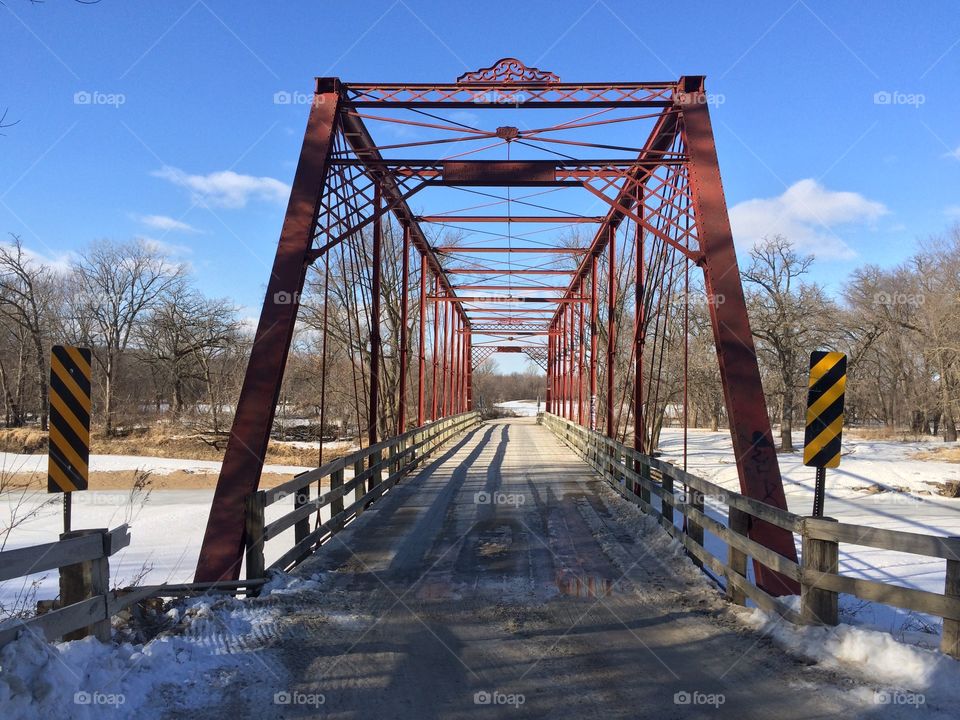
86, 602
396, 457
817, 572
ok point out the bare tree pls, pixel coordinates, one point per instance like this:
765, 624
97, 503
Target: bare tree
789, 318
28, 294
120, 282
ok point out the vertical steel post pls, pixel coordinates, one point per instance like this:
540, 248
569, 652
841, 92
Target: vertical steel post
404, 333
583, 345
593, 344
436, 352
611, 330
422, 359
549, 398
221, 553
746, 405
374, 412
469, 370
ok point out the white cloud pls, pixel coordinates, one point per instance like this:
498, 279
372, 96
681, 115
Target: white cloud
226, 188
955, 154
171, 250
165, 223
952, 211
807, 214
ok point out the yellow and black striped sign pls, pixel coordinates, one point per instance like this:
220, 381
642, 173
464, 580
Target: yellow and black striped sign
828, 380
69, 418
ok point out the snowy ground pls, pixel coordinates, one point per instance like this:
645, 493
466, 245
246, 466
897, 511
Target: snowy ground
521, 408
18, 463
167, 529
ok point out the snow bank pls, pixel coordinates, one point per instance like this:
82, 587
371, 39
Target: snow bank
902, 674
216, 646
16, 463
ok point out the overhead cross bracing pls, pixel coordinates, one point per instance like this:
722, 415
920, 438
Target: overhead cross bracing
570, 220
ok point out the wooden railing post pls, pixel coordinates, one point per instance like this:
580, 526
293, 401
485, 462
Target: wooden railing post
374, 478
738, 522
256, 507
950, 641
358, 490
84, 580
694, 529
818, 606
300, 498
666, 483
336, 481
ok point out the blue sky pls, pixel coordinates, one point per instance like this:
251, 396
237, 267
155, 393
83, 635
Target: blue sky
836, 122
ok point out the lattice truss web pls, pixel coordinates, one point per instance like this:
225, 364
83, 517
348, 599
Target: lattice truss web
518, 205
433, 226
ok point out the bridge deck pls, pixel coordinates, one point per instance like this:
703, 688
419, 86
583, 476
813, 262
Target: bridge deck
506, 566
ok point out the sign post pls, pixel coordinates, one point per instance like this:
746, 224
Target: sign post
69, 443
822, 441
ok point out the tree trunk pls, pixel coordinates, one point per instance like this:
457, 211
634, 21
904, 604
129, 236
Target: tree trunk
42, 380
108, 397
786, 425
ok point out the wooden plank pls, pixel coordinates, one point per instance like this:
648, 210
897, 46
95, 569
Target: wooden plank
49, 556
907, 598
58, 623
117, 539
759, 552
908, 542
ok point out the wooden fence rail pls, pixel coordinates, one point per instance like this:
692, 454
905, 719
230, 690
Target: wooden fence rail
86, 602
817, 572
396, 457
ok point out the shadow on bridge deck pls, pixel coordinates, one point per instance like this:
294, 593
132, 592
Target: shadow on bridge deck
506, 580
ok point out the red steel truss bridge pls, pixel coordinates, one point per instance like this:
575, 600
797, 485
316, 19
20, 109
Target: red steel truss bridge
508, 211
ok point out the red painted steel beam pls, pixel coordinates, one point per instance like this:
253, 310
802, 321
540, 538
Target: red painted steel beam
404, 332
373, 418
545, 219
505, 271
535, 250
611, 329
753, 445
593, 343
221, 552
422, 350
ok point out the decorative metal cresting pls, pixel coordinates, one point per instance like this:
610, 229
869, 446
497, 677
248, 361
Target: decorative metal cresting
607, 317
508, 71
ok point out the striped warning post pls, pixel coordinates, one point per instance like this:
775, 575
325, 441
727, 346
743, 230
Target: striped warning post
828, 380
67, 470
